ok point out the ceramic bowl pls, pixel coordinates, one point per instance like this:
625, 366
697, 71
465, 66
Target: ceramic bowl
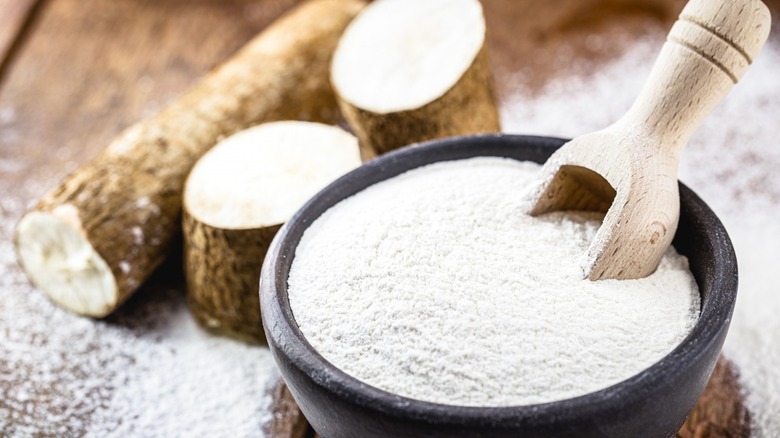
653, 403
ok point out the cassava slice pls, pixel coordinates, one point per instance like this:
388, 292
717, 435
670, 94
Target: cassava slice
236, 199
93, 240
408, 70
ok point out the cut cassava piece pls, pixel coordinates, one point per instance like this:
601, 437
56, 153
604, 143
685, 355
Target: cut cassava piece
236, 199
95, 238
407, 71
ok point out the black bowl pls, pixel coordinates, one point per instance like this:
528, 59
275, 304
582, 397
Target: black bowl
653, 403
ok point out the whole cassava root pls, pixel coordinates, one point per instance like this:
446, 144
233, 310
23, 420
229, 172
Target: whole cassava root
406, 72
92, 241
235, 200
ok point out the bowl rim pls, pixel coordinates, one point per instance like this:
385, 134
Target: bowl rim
715, 313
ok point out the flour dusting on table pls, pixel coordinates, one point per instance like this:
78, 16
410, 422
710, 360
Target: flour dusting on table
58, 372
732, 162
147, 371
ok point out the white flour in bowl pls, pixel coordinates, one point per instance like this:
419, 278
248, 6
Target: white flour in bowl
434, 285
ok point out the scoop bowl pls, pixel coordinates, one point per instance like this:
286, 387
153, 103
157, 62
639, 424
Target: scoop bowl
653, 403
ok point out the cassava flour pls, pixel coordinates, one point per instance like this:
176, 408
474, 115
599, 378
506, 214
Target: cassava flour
436, 286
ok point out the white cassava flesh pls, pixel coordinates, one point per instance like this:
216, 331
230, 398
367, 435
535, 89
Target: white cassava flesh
236, 199
402, 54
59, 259
260, 176
407, 71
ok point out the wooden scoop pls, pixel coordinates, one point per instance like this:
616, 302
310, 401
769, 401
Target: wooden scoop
629, 170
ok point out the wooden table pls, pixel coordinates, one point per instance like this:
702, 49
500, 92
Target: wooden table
74, 73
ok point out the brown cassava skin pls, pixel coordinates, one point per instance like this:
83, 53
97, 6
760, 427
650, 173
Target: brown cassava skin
222, 268
469, 107
129, 199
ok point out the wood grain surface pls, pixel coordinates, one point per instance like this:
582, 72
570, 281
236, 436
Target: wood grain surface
287, 420
83, 70
720, 411
14, 16
90, 68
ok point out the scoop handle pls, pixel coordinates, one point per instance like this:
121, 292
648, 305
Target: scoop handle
708, 50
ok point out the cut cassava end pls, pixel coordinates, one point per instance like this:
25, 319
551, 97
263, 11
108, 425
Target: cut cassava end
58, 258
92, 241
236, 199
408, 70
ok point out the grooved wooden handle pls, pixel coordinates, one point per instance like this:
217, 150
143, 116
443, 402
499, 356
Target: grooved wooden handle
707, 51
722, 53
743, 24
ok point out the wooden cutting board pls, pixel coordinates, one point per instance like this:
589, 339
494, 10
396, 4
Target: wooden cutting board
76, 72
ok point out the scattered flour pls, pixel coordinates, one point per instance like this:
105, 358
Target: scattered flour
199, 386
444, 290
59, 374
732, 162
146, 371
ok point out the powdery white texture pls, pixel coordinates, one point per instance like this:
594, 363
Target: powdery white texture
581, 103
732, 162
146, 371
203, 386
754, 339
443, 290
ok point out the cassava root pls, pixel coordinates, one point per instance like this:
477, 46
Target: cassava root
236, 199
93, 240
406, 71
